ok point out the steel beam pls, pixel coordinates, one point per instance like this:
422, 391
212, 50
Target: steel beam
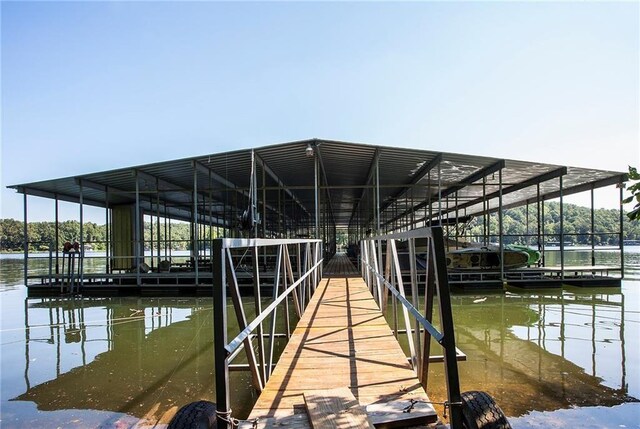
326, 181
574, 190
415, 178
280, 183
517, 187
490, 169
372, 170
52, 195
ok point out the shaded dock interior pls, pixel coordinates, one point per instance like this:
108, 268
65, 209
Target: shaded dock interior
335, 191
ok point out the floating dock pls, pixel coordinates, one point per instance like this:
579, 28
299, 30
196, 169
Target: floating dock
537, 277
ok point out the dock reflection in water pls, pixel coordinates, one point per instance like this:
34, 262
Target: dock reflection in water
115, 362
137, 357
542, 352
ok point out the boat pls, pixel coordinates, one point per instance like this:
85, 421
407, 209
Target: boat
557, 243
485, 258
534, 255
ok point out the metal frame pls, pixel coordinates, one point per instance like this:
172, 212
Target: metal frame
307, 259
304, 196
390, 279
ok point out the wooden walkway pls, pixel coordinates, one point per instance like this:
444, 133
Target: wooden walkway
342, 341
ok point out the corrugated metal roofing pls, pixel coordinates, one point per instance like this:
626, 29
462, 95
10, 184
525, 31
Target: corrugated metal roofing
349, 169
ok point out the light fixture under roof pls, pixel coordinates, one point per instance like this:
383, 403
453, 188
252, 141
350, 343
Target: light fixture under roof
309, 150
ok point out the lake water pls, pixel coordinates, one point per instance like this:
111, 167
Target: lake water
551, 358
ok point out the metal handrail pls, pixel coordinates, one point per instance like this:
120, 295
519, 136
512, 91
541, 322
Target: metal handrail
244, 334
299, 286
390, 279
410, 308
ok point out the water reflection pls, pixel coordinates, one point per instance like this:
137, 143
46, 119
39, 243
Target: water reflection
541, 351
117, 362
577, 256
141, 357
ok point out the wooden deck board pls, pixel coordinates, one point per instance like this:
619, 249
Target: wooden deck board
342, 341
335, 409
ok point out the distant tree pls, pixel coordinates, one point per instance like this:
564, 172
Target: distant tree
635, 194
69, 230
11, 234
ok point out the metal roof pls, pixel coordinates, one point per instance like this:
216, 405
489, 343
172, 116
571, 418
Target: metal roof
409, 179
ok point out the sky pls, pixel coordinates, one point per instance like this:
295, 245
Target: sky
92, 86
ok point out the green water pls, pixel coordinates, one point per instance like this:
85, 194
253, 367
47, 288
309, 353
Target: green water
551, 358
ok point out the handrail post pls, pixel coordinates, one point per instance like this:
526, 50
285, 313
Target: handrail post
428, 313
321, 255
258, 306
376, 257
436, 281
363, 268
221, 362
364, 252
446, 320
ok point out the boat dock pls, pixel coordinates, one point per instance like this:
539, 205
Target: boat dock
342, 341
185, 282
537, 277
338, 192
343, 365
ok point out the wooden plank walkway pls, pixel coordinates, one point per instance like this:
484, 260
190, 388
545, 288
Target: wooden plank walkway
343, 340
340, 266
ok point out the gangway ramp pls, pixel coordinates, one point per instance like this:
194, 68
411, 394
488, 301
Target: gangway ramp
343, 340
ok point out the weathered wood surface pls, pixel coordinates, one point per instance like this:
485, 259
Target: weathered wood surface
335, 409
343, 340
340, 266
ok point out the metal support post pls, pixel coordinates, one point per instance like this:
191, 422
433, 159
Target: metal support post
538, 217
316, 196
621, 232
221, 362
542, 226
158, 220
377, 196
500, 225
264, 203
429, 198
439, 195
136, 238
25, 238
253, 195
561, 230
593, 231
151, 237
57, 232
194, 248
81, 250
107, 231
526, 222
170, 244
448, 339
485, 212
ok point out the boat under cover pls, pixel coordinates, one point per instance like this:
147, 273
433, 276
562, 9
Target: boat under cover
486, 258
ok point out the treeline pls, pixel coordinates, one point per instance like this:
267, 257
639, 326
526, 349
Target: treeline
577, 225
41, 235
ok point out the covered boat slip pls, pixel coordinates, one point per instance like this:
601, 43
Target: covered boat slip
335, 191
